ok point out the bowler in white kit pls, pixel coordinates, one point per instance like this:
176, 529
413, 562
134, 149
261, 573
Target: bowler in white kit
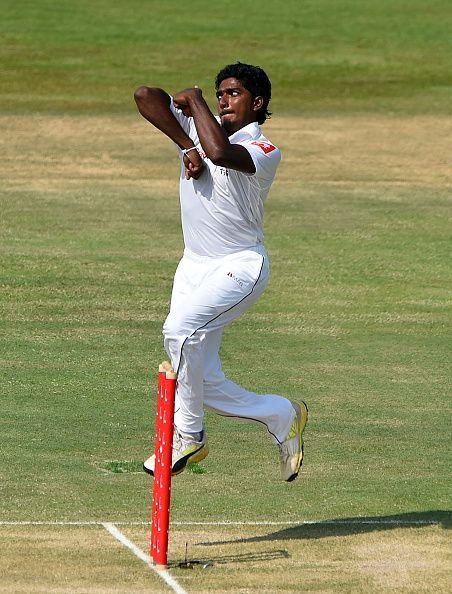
227, 169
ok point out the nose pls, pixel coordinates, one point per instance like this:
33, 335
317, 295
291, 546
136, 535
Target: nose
223, 101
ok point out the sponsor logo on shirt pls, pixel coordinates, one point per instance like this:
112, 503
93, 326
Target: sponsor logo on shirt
237, 280
224, 171
267, 147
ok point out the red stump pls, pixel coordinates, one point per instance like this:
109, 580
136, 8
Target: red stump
161, 501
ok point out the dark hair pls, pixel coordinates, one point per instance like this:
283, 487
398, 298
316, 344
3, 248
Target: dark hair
254, 79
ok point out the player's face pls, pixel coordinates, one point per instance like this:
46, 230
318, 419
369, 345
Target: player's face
236, 105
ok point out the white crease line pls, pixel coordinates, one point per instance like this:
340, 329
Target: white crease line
49, 523
162, 573
343, 522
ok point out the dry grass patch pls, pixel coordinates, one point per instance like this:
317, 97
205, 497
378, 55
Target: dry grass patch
409, 150
308, 558
230, 559
62, 559
56, 153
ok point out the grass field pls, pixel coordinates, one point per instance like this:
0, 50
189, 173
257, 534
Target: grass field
356, 319
390, 56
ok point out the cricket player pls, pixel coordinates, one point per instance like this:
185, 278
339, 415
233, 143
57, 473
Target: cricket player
227, 168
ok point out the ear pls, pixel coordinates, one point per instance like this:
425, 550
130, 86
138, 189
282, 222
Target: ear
258, 103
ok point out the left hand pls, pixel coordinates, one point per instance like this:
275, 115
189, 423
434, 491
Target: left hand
183, 99
194, 165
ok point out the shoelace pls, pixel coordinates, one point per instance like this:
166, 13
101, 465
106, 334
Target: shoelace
178, 441
180, 444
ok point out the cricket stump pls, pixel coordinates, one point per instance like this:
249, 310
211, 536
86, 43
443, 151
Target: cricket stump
161, 500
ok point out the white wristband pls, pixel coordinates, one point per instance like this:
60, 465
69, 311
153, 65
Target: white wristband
192, 148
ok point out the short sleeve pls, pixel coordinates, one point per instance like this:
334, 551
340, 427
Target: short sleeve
266, 157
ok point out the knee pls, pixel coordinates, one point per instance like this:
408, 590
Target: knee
213, 378
175, 331
170, 329
173, 337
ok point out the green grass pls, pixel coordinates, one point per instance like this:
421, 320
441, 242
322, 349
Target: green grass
356, 319
322, 56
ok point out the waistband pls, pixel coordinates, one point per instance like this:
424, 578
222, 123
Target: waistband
258, 249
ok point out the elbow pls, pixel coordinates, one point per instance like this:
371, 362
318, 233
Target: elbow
141, 94
148, 95
151, 102
217, 155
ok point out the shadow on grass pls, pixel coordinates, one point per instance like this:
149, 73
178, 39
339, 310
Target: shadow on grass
349, 526
238, 558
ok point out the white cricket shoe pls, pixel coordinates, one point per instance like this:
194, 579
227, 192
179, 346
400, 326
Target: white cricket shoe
185, 451
291, 449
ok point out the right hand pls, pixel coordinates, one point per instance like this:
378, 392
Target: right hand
182, 100
194, 165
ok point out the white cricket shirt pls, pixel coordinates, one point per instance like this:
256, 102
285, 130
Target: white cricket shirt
222, 211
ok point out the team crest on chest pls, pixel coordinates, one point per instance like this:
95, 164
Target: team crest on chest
266, 146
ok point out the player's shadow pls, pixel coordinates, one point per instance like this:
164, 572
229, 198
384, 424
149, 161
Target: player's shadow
236, 558
348, 526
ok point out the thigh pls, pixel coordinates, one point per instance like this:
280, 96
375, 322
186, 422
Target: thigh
227, 290
181, 286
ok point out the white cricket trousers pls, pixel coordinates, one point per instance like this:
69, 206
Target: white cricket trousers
209, 293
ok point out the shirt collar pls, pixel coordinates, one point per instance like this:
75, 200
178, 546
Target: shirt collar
251, 131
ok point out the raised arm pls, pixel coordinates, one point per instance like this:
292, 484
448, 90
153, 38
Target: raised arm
213, 137
154, 106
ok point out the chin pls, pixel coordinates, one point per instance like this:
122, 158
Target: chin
230, 126
227, 126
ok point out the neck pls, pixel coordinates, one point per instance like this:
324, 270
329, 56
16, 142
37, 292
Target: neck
231, 129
